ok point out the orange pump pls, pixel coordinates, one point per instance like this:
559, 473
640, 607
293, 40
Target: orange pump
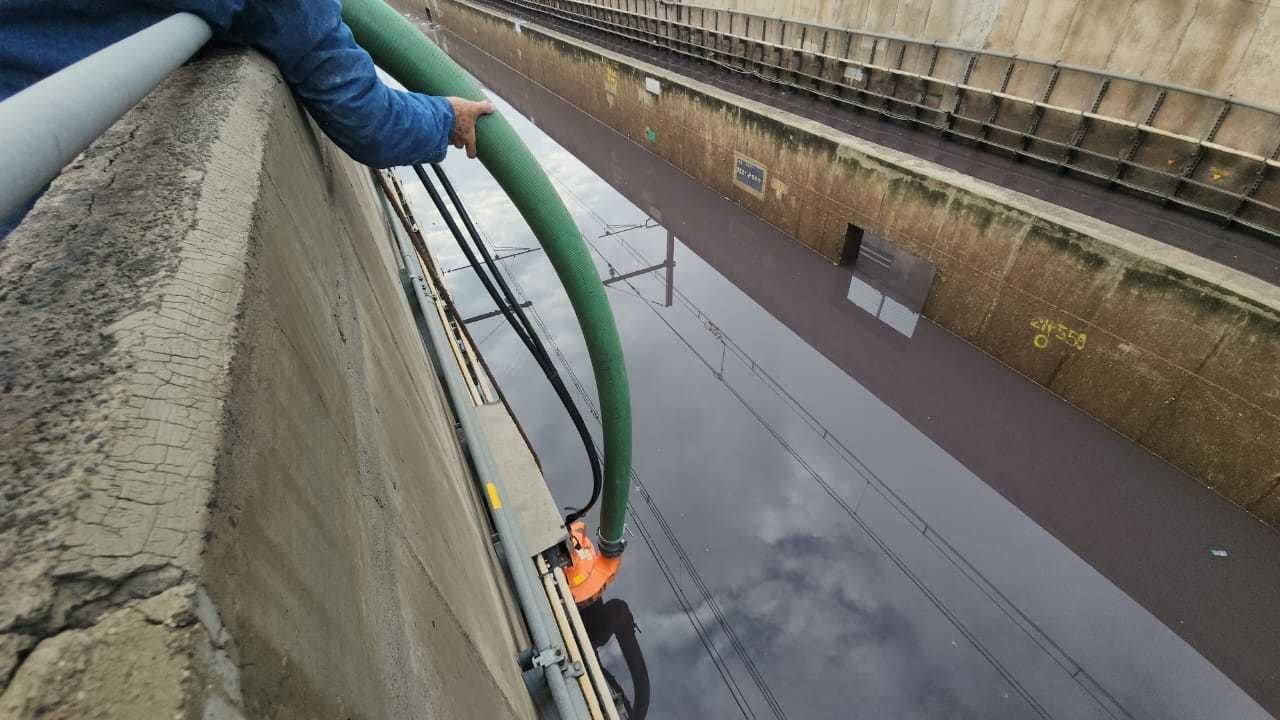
589, 571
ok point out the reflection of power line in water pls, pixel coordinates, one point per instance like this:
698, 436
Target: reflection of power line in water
515, 252
735, 691
617, 229
953, 556
850, 511
709, 598
492, 331
1056, 653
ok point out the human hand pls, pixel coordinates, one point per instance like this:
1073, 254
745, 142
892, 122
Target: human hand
465, 114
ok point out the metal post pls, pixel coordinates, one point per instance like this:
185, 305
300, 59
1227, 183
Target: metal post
822, 60
1139, 136
952, 116
1082, 129
671, 267
892, 94
1258, 179
997, 101
1193, 163
1037, 113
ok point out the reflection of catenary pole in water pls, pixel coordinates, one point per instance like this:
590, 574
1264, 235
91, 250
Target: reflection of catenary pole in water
708, 597
646, 535
669, 264
953, 556
900, 505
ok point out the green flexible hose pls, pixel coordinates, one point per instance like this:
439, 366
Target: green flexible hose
402, 50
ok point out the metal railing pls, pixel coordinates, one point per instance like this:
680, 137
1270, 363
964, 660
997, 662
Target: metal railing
1180, 146
44, 127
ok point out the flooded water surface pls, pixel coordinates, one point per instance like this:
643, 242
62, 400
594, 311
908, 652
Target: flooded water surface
832, 511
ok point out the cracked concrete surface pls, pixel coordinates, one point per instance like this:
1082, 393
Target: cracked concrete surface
166, 656
214, 407
118, 302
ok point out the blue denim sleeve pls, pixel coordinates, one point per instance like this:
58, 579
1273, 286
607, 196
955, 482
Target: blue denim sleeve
334, 77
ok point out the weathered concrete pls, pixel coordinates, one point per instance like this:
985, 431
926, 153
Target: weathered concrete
165, 656
1197, 150
231, 483
1172, 350
1224, 46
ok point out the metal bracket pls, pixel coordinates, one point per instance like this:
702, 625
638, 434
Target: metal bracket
548, 657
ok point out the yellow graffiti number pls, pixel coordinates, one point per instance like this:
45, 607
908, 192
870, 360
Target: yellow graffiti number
1047, 330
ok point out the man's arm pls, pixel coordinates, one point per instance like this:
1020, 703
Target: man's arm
335, 79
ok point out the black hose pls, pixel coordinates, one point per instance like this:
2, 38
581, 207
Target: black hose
511, 310
490, 264
613, 619
471, 257
535, 346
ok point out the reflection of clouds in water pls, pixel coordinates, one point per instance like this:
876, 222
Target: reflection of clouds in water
837, 619
688, 684
824, 598
805, 590
762, 601
803, 625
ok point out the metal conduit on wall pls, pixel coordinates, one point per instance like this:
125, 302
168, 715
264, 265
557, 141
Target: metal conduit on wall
549, 650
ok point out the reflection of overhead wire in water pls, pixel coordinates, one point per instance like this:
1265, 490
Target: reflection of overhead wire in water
512, 252
489, 334
646, 535
618, 229
873, 481
1057, 654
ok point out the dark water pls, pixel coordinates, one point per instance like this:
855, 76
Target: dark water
809, 538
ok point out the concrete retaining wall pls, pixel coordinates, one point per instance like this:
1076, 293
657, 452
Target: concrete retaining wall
1206, 153
1224, 46
1176, 352
231, 482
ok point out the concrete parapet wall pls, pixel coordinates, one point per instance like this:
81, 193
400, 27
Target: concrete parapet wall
1174, 351
231, 481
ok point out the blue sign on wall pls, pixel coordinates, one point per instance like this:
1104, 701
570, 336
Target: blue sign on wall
749, 175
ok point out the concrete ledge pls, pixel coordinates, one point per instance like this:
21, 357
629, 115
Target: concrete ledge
1174, 351
231, 480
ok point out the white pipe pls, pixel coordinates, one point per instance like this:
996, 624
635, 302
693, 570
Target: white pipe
44, 127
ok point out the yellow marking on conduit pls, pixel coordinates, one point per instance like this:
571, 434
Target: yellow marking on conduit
494, 499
